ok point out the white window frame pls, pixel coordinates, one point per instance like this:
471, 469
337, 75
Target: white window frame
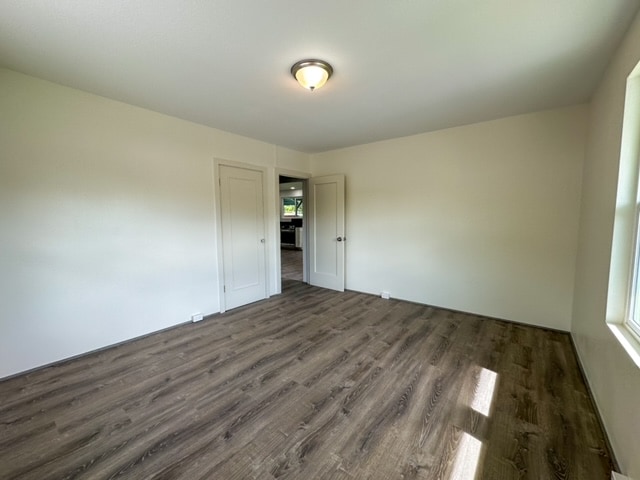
623, 296
632, 317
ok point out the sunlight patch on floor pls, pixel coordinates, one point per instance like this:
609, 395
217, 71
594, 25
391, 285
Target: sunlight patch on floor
469, 451
483, 396
465, 465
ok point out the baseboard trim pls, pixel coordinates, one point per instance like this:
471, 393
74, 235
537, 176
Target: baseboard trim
462, 312
59, 363
594, 403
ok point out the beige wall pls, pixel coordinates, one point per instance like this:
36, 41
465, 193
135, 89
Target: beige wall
481, 218
107, 219
614, 379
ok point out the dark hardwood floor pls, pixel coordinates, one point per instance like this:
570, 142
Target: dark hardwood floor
291, 263
311, 384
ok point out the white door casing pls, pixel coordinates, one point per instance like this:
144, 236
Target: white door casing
326, 232
243, 235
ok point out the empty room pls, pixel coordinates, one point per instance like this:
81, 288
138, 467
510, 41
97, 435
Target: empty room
351, 240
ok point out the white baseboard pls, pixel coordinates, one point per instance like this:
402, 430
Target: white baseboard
618, 476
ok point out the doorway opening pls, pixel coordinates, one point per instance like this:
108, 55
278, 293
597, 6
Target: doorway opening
292, 228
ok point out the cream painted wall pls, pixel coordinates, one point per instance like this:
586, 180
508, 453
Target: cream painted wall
614, 379
481, 218
107, 219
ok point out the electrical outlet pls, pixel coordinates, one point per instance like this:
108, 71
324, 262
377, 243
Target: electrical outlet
196, 317
385, 295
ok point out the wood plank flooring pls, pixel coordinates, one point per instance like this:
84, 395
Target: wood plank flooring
291, 263
311, 384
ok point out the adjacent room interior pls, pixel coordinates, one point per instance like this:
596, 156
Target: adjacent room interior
284, 241
292, 237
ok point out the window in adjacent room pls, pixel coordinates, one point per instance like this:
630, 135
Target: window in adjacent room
292, 207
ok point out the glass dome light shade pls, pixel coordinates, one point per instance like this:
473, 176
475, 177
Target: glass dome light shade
312, 74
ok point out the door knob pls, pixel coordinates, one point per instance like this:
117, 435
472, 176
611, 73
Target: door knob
339, 239
262, 240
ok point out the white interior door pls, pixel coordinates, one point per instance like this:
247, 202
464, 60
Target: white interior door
326, 232
243, 240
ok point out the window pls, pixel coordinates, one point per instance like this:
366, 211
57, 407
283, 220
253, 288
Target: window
632, 319
630, 151
292, 207
623, 296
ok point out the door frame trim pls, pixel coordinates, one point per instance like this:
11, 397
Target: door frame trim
217, 200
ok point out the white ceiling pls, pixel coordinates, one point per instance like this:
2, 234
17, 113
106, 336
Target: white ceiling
288, 186
401, 66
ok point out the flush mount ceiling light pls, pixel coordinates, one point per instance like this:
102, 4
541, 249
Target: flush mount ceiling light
311, 74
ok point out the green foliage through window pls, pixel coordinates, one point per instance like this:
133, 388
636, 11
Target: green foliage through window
292, 207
